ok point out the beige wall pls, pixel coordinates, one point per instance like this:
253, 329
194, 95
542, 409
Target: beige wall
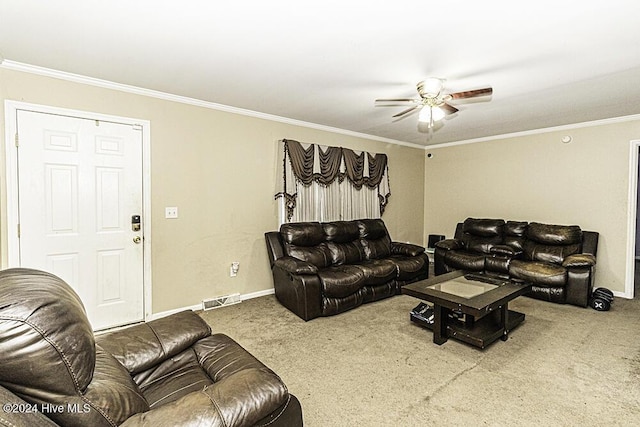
538, 178
219, 169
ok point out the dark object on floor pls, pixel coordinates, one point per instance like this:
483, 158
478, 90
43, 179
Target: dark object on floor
601, 299
321, 269
557, 260
168, 372
424, 312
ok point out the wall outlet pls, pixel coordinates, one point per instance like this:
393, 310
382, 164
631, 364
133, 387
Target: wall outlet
171, 212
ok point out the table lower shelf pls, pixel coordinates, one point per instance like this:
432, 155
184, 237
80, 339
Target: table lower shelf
481, 333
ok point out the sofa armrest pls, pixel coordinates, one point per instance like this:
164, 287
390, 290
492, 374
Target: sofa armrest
407, 249
241, 399
142, 346
579, 260
505, 250
295, 266
450, 244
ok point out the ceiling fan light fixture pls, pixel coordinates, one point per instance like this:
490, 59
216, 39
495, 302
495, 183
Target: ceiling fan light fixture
431, 114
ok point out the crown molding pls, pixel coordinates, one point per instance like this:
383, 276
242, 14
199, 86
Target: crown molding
572, 126
77, 78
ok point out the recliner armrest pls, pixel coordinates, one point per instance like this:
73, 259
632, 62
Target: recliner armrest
407, 249
450, 244
579, 260
295, 266
142, 346
241, 399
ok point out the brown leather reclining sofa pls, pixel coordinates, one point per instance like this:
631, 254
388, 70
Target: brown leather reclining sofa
321, 269
558, 260
168, 372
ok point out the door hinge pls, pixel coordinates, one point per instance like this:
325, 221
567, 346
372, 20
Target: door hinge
18, 231
17, 140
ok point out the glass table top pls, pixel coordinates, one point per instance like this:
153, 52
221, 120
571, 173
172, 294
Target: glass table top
465, 287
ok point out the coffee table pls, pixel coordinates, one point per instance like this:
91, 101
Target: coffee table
469, 307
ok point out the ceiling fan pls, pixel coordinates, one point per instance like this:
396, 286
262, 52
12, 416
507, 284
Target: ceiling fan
433, 103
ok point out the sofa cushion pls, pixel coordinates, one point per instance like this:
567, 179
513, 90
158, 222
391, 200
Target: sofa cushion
410, 267
170, 380
538, 273
463, 260
317, 255
377, 271
480, 235
372, 229
514, 234
376, 249
549, 253
345, 253
480, 244
483, 227
548, 234
302, 233
374, 238
341, 231
341, 281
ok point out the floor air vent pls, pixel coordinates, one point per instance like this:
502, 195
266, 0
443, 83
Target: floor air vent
208, 304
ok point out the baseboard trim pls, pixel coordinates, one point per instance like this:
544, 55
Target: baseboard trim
198, 307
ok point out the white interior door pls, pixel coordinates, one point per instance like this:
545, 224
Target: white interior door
79, 185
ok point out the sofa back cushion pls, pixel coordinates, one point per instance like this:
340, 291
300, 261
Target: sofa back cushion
554, 234
480, 235
552, 243
515, 234
306, 241
374, 238
341, 231
343, 242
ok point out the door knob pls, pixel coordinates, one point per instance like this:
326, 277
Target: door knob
137, 239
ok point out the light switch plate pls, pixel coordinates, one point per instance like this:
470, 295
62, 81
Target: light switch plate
171, 212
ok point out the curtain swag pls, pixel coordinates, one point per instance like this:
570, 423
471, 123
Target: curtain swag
302, 165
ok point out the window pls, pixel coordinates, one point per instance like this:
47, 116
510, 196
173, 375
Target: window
330, 183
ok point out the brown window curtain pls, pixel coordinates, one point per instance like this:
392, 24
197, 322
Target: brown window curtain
324, 165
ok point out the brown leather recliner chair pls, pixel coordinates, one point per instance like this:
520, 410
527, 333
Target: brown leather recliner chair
167, 372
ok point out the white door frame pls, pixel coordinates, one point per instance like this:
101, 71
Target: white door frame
11, 109
634, 149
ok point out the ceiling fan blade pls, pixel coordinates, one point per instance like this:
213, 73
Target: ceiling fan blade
449, 109
472, 93
406, 112
394, 102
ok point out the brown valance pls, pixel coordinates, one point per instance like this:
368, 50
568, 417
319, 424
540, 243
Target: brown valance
329, 161
324, 165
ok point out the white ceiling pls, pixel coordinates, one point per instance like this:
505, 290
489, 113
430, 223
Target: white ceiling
550, 62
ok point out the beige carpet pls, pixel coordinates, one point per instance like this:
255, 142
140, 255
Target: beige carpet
371, 366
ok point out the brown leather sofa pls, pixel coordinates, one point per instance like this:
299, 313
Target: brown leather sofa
167, 372
321, 269
558, 260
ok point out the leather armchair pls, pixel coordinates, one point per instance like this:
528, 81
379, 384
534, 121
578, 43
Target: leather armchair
167, 372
